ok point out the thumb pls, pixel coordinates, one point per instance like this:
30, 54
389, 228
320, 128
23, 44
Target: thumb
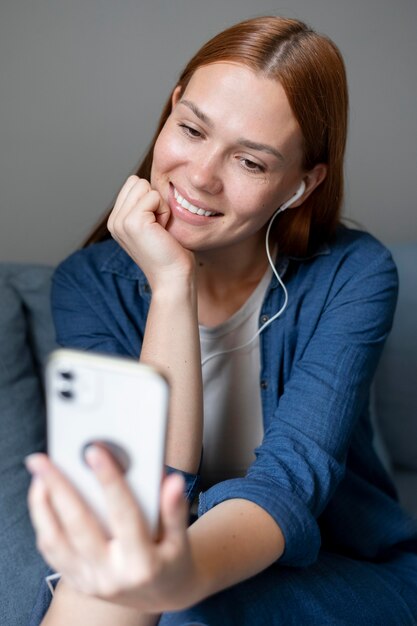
174, 508
162, 213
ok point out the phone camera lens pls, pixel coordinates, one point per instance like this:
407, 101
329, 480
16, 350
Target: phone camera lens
66, 393
67, 375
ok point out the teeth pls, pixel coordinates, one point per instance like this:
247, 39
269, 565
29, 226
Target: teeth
190, 207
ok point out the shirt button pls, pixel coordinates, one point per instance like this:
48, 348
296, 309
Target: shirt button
264, 319
147, 288
264, 384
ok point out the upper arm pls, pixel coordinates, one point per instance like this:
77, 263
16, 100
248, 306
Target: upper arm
330, 380
101, 314
302, 458
88, 314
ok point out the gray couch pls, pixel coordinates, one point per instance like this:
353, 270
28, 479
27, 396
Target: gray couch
26, 337
395, 385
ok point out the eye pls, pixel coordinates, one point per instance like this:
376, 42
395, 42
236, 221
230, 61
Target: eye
251, 166
189, 131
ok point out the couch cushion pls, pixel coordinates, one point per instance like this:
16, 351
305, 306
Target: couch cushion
395, 382
26, 337
406, 483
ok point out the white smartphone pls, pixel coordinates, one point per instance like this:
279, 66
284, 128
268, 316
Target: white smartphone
120, 403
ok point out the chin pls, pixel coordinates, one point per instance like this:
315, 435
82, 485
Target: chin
186, 240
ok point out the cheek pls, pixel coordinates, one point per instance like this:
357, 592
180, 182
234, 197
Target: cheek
169, 152
253, 201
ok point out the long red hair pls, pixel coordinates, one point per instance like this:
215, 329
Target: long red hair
311, 69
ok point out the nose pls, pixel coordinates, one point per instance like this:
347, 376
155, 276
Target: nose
204, 172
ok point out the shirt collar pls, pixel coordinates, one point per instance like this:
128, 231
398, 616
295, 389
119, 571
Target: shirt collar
282, 263
324, 249
120, 263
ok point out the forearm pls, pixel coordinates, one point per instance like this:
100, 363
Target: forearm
172, 344
69, 607
234, 541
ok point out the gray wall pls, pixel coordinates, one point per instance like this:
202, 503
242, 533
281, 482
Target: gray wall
83, 82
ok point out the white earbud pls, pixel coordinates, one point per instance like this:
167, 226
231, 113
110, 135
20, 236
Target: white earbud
284, 206
293, 198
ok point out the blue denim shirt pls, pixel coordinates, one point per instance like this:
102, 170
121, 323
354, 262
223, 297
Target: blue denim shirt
316, 471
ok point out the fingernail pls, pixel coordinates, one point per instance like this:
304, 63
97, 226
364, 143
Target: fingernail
33, 463
92, 455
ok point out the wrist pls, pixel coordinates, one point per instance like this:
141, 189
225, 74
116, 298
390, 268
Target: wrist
173, 277
181, 288
191, 590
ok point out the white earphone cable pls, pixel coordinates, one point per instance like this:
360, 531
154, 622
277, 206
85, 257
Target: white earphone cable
272, 319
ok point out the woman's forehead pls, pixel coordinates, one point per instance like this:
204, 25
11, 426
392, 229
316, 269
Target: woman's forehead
233, 98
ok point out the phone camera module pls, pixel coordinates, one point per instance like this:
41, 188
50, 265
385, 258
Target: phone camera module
67, 394
66, 375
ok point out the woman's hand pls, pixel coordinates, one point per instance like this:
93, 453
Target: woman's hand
130, 568
171, 341
138, 222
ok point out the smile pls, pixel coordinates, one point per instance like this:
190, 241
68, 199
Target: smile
191, 207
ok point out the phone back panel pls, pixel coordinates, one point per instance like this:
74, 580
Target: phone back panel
116, 401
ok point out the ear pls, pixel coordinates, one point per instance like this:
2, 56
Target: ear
312, 179
176, 95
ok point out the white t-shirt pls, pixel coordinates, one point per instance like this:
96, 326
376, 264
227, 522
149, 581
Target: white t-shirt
233, 424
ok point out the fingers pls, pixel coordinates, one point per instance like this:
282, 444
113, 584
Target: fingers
131, 557
50, 538
154, 203
130, 194
174, 509
136, 206
132, 183
126, 522
133, 189
60, 514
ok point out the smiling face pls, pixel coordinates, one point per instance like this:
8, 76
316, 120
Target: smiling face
227, 157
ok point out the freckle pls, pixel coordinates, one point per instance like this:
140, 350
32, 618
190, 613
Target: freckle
201, 264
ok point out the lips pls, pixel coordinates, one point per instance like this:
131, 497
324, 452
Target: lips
190, 207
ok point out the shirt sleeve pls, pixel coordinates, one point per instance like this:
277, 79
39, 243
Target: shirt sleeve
302, 458
88, 316
82, 317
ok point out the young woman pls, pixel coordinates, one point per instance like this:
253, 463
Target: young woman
228, 269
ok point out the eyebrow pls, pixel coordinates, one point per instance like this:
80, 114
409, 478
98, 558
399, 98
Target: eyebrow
198, 112
262, 147
247, 143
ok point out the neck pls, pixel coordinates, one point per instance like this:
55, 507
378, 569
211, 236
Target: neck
226, 278
234, 265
